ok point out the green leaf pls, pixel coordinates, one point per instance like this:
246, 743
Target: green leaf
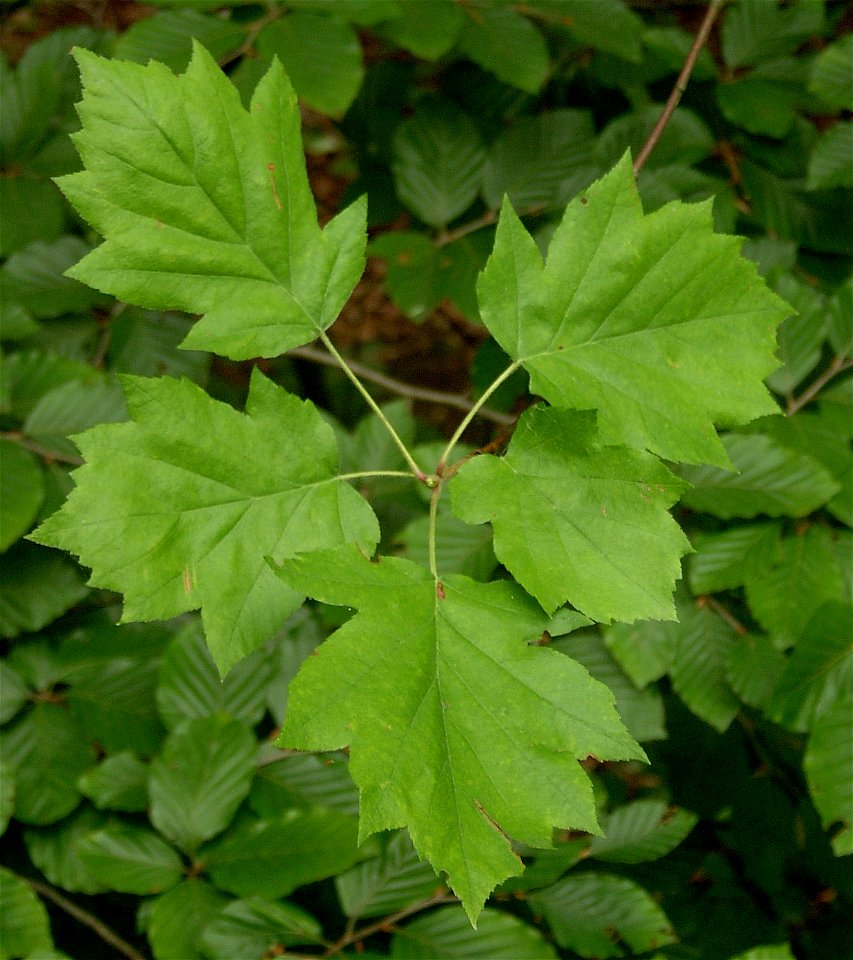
771, 479
202, 775
71, 408
48, 753
174, 510
541, 161
644, 650
780, 951
795, 580
145, 342
192, 222
387, 883
506, 44
599, 915
606, 25
623, 318
322, 57
753, 668
258, 928
36, 93
56, 851
7, 796
431, 725
765, 101
303, 781
113, 702
32, 210
840, 325
641, 711
190, 686
829, 164
685, 139
271, 858
16, 692
28, 375
168, 37
828, 763
412, 277
178, 917
119, 782
698, 670
131, 859
34, 279
437, 162
21, 492
724, 559
578, 521
640, 831
830, 77
24, 923
426, 31
820, 670
801, 336
757, 30
446, 934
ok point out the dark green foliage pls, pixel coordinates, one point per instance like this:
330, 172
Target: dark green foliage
137, 783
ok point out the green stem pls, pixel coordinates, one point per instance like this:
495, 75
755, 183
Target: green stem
433, 515
374, 406
510, 370
376, 473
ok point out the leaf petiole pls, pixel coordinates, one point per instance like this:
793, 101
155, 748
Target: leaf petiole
510, 370
374, 406
433, 514
407, 474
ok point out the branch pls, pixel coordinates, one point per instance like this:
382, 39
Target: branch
44, 452
402, 389
838, 365
387, 923
86, 918
711, 14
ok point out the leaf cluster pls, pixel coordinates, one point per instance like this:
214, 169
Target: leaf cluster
499, 651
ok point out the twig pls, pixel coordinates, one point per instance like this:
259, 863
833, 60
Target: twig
408, 390
386, 923
723, 613
711, 14
838, 365
44, 452
251, 36
86, 918
448, 236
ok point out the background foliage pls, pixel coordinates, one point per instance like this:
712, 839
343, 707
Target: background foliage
140, 792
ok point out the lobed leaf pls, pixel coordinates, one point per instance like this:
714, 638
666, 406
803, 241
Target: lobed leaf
206, 207
444, 746
578, 521
177, 510
653, 320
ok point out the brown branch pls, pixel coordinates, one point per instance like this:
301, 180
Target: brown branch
86, 918
838, 365
44, 452
408, 390
389, 922
723, 613
714, 8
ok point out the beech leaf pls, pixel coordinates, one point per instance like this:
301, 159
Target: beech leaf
178, 508
654, 320
458, 728
206, 207
576, 521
